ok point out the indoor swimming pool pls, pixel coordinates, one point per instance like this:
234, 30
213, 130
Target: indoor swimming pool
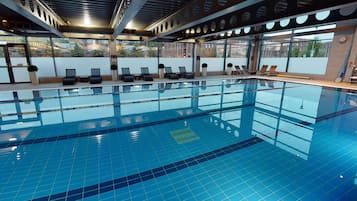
239, 139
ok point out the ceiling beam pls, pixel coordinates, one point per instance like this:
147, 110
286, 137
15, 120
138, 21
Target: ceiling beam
257, 15
125, 12
196, 12
334, 17
244, 14
37, 12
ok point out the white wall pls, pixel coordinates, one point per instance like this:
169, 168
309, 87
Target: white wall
308, 65
82, 65
45, 66
213, 64
4, 75
20, 74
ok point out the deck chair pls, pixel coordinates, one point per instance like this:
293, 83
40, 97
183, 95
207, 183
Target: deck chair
95, 77
169, 74
238, 70
145, 74
263, 70
126, 76
70, 77
185, 74
272, 71
245, 70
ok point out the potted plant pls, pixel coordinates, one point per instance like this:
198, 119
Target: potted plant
204, 69
161, 70
114, 69
32, 69
229, 68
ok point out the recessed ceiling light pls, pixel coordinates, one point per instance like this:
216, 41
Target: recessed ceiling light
86, 20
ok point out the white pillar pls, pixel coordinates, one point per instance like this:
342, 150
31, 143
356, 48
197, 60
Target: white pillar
113, 58
33, 78
204, 72
229, 70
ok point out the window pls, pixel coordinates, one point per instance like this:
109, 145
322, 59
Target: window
136, 49
237, 48
212, 49
316, 45
65, 47
40, 47
178, 50
275, 48
309, 53
275, 52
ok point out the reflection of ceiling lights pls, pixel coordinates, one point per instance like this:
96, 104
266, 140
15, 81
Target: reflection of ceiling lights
99, 138
134, 135
12, 139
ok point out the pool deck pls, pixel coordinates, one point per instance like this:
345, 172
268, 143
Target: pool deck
29, 86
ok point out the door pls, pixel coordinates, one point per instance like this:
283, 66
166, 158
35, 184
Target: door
18, 60
4, 74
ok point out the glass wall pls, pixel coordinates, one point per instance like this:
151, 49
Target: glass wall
4, 75
82, 55
17, 59
275, 52
41, 56
237, 52
212, 53
176, 54
136, 54
309, 53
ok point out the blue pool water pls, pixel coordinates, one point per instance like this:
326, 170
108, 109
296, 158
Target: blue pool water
203, 140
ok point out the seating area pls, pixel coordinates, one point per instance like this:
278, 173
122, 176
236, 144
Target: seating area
268, 72
96, 77
125, 75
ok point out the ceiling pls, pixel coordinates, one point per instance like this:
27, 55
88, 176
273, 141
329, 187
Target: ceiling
154, 10
74, 12
171, 20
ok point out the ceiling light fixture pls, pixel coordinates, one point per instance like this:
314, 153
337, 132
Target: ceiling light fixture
86, 19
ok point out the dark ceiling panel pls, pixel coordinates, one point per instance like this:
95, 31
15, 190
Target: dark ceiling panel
155, 10
99, 11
